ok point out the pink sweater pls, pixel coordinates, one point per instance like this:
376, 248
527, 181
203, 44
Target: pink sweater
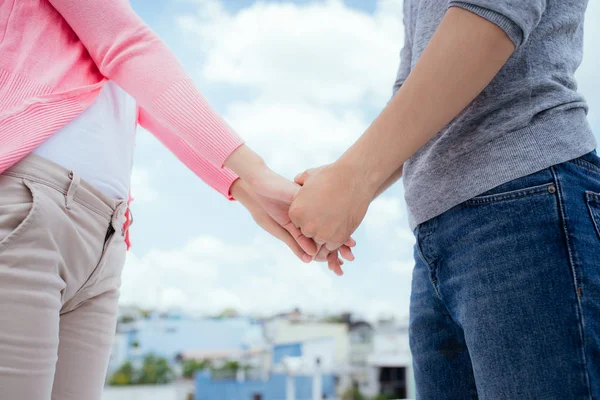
57, 54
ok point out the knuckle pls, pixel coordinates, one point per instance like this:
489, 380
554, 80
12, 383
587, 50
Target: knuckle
295, 212
311, 229
320, 237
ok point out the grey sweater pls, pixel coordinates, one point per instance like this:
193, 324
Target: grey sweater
528, 118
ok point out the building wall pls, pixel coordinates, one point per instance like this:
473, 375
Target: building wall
272, 389
282, 331
177, 391
286, 350
168, 337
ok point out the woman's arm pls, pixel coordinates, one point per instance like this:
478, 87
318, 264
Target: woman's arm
128, 52
219, 179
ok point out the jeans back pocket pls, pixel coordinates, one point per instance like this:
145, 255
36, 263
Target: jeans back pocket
593, 203
547, 188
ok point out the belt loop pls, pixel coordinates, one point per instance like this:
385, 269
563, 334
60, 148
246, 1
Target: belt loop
75, 180
118, 218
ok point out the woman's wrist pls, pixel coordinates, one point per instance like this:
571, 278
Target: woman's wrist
239, 190
246, 164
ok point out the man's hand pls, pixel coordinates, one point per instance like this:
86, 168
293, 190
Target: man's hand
268, 195
271, 191
331, 204
268, 202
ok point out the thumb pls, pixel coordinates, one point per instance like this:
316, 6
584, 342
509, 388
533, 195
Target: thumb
300, 179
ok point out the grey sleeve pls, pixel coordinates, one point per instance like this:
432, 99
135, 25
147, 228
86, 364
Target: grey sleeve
518, 18
406, 52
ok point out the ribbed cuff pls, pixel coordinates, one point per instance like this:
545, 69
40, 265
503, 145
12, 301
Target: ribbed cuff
183, 108
512, 30
223, 184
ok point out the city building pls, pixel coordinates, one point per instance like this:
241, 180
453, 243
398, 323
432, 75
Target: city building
389, 366
300, 371
361, 335
178, 337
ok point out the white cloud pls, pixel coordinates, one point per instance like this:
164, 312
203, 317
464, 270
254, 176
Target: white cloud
383, 211
403, 268
208, 275
387, 229
322, 52
294, 137
141, 188
311, 69
587, 75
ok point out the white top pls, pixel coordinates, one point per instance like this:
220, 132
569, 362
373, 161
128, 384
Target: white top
98, 144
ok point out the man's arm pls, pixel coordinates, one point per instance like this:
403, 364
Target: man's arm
397, 174
462, 58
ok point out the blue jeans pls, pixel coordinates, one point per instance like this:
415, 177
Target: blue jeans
505, 299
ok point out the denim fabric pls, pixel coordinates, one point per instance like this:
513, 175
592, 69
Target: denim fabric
505, 297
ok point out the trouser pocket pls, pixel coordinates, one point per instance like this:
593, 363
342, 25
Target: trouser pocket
18, 208
593, 203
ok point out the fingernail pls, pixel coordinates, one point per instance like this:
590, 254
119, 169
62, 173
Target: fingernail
306, 258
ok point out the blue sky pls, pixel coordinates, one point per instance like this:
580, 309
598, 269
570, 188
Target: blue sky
299, 81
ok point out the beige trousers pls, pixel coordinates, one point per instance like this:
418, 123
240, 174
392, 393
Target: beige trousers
61, 255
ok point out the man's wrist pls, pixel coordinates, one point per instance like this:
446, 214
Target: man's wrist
360, 176
363, 170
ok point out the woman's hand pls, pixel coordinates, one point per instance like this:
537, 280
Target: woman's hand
243, 194
271, 191
270, 213
268, 195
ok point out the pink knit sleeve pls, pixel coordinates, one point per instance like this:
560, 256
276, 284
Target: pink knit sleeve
219, 179
128, 52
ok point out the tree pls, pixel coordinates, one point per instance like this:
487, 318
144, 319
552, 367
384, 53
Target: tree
353, 393
154, 370
228, 313
381, 397
125, 319
190, 367
125, 375
228, 370
343, 318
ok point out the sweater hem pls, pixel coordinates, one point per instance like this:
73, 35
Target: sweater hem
513, 155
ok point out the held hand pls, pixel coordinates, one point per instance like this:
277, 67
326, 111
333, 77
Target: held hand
241, 192
272, 192
265, 211
268, 196
330, 205
274, 195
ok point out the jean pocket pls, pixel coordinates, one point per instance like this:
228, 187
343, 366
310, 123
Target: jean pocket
547, 188
18, 207
589, 161
593, 203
